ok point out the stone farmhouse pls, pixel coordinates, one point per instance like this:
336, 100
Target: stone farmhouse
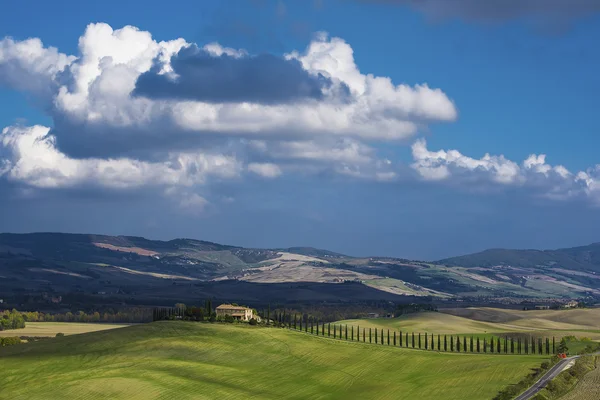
237, 312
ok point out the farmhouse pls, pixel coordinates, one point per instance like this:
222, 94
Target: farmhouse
237, 312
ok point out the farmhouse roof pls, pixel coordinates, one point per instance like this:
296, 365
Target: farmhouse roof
231, 307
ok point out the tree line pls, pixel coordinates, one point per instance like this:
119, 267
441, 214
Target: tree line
127, 315
427, 341
11, 319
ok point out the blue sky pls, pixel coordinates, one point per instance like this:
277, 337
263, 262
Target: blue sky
512, 82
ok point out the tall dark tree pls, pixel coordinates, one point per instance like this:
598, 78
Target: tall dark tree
458, 343
553, 346
413, 340
484, 346
425, 340
389, 337
439, 343
540, 350
312, 320
471, 345
351, 332
400, 337
406, 341
295, 321
394, 338
478, 345
328, 329
445, 343
432, 348
505, 344
451, 343
547, 346
498, 345
346, 333
370, 336
492, 344
376, 335
465, 344
526, 342
532, 345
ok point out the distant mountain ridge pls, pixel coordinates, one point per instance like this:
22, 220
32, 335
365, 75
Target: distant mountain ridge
583, 258
136, 269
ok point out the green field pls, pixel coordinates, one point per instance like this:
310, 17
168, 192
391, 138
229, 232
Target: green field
186, 360
50, 329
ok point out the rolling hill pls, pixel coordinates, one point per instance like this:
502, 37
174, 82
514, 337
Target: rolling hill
136, 270
186, 360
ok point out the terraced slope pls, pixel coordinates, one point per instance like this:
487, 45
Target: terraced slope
183, 360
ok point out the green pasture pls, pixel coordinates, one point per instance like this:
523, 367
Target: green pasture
187, 360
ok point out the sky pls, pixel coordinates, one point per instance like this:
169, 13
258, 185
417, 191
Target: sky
417, 129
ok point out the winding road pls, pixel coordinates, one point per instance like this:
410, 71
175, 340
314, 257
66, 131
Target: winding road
543, 381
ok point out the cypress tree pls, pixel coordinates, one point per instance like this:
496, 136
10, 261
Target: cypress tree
425, 340
512, 345
334, 331
457, 343
553, 346
540, 350
329, 329
505, 344
439, 342
471, 347
465, 344
499, 345
478, 345
419, 340
295, 321
526, 341
413, 340
451, 343
370, 335
547, 346
317, 327
364, 335
445, 343
306, 325
394, 338
406, 341
532, 345
376, 334
389, 337
269, 315
492, 344
311, 325
346, 333
432, 348
382, 336
484, 346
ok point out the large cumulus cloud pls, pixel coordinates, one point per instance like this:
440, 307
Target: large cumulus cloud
131, 112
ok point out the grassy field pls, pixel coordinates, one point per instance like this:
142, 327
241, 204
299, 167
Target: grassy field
428, 322
52, 328
586, 389
581, 322
184, 360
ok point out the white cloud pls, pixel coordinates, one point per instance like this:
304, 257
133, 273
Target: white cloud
533, 173
30, 156
104, 74
266, 170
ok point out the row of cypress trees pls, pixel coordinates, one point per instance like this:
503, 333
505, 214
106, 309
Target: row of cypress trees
428, 341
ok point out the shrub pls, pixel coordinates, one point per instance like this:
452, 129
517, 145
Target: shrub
9, 341
253, 321
60, 334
